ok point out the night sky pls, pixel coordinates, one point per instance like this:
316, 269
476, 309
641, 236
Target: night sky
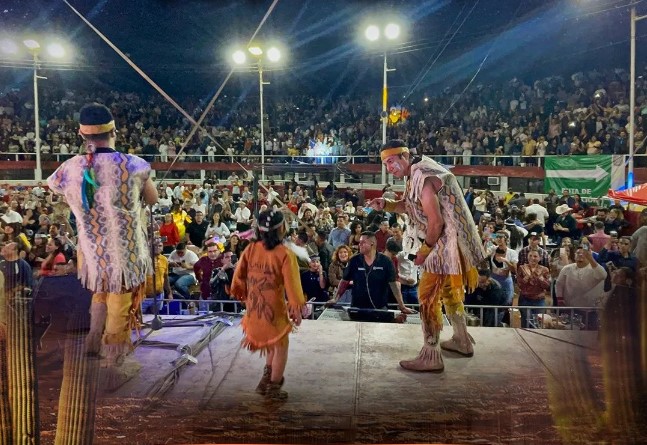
185, 45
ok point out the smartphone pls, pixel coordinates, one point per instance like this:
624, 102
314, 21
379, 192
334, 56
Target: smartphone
585, 246
411, 256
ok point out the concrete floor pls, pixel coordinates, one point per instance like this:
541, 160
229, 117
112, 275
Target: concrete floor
345, 386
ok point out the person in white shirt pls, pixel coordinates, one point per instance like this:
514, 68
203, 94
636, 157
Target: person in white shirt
182, 277
408, 277
537, 209
10, 215
163, 151
211, 153
243, 217
503, 261
38, 191
581, 284
217, 228
163, 204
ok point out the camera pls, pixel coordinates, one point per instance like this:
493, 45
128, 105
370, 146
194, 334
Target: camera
234, 259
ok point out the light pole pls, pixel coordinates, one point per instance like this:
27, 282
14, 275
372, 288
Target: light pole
273, 55
632, 93
373, 34
55, 50
34, 49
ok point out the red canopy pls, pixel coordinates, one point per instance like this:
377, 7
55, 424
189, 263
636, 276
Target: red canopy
636, 195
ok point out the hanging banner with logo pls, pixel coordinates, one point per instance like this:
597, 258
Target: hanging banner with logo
588, 176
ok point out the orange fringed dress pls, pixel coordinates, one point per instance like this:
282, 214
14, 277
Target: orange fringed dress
262, 280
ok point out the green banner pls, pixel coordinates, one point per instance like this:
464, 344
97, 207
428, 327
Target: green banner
588, 176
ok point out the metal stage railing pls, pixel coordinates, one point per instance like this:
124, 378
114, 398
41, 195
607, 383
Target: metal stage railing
573, 318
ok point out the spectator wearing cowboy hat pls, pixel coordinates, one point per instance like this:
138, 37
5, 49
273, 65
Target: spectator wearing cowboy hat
243, 217
565, 225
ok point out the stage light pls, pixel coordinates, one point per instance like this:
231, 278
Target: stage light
255, 51
392, 31
372, 33
8, 46
273, 54
239, 57
56, 50
426, 99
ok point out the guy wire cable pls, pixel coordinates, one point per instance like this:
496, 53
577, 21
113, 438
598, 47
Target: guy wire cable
487, 55
426, 69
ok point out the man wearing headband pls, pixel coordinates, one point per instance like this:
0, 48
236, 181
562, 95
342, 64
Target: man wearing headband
444, 239
266, 272
104, 189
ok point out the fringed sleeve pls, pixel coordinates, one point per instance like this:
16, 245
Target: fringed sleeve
292, 280
239, 281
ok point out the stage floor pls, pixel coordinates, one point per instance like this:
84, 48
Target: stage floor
345, 386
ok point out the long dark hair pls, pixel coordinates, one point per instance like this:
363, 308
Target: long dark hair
269, 229
48, 264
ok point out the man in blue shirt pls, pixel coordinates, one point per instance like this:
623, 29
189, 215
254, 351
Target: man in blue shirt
17, 272
340, 235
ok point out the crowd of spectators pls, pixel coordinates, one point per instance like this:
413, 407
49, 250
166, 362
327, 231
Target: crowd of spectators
555, 251
586, 113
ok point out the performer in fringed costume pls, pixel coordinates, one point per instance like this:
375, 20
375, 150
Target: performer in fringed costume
444, 238
266, 272
104, 189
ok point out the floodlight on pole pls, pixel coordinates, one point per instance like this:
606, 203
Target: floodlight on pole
372, 33
56, 50
31, 44
239, 57
273, 54
392, 31
259, 55
255, 51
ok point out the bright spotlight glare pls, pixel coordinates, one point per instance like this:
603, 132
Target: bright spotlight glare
273, 54
392, 31
372, 33
56, 50
31, 44
8, 46
239, 57
255, 51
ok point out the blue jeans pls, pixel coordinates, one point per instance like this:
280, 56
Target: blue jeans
148, 305
409, 294
508, 290
182, 284
526, 314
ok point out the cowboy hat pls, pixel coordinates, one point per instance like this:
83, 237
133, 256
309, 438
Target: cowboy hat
562, 209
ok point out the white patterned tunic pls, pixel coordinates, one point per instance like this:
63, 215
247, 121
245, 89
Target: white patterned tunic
459, 248
113, 250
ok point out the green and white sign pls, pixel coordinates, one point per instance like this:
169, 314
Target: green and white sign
588, 176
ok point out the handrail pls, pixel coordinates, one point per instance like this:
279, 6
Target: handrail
202, 307
203, 158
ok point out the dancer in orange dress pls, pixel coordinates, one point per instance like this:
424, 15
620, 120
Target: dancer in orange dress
266, 272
